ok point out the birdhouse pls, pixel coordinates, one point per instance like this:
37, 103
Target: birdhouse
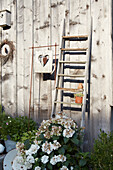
43, 61
5, 19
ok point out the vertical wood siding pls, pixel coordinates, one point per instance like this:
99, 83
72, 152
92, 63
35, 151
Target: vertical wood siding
40, 22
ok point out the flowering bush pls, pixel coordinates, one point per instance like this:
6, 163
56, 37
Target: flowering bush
56, 146
14, 127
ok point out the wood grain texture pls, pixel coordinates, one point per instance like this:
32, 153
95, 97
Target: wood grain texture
40, 22
9, 69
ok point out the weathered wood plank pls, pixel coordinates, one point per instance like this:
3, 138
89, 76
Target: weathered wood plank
0, 63
9, 69
20, 57
84, 28
101, 54
57, 20
28, 42
13, 31
45, 29
42, 99
36, 76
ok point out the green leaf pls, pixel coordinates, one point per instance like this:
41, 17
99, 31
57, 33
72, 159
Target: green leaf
75, 140
61, 151
49, 166
51, 155
65, 147
77, 167
69, 148
41, 137
41, 153
27, 144
82, 162
59, 164
55, 137
68, 156
66, 140
66, 163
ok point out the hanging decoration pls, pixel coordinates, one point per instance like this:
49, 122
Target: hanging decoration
43, 61
6, 51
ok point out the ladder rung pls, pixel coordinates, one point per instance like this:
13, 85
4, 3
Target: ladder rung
74, 67
68, 94
68, 103
73, 49
75, 53
72, 108
69, 89
73, 81
73, 62
76, 36
65, 75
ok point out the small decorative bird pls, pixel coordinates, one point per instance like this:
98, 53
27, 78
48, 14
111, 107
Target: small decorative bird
1, 148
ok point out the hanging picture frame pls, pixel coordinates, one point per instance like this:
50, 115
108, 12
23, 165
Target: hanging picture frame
43, 61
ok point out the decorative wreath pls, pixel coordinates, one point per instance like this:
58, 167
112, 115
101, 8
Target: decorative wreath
6, 51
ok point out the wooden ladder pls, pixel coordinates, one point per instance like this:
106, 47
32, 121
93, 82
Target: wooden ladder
73, 78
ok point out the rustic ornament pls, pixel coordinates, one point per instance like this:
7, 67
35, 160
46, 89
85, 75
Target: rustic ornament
6, 51
43, 61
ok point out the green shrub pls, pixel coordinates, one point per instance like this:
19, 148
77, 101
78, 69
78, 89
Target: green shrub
30, 135
56, 145
102, 155
14, 127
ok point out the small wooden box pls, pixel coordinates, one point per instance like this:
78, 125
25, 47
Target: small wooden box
5, 19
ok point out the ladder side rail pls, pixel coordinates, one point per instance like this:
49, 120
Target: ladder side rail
86, 78
58, 71
62, 79
89, 73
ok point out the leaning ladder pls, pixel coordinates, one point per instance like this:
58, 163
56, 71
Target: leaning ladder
85, 79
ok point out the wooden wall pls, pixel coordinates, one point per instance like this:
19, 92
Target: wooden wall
40, 22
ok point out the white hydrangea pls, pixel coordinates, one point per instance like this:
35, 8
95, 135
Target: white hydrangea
37, 168
28, 165
62, 158
57, 158
56, 145
33, 149
47, 147
45, 159
46, 122
64, 168
30, 159
19, 147
68, 133
61, 115
53, 160
69, 123
37, 142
